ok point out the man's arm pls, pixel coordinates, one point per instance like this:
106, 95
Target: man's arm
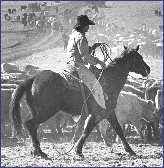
84, 51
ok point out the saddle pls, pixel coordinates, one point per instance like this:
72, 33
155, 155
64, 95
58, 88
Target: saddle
72, 80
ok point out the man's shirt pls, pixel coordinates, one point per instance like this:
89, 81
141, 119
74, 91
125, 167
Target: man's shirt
78, 50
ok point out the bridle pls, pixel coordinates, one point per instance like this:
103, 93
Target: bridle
107, 56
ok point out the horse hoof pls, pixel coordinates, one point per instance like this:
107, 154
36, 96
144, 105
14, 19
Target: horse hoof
132, 153
41, 154
44, 156
80, 155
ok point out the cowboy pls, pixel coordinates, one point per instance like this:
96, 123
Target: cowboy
79, 55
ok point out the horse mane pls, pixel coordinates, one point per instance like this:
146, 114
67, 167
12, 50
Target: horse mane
118, 59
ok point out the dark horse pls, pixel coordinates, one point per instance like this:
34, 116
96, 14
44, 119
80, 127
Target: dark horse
46, 94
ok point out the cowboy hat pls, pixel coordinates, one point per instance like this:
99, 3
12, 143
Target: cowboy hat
83, 20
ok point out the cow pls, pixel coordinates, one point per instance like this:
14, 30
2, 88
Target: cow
5, 121
129, 88
148, 83
9, 68
7, 17
33, 72
130, 109
150, 94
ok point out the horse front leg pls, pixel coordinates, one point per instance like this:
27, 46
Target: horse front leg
90, 123
79, 128
115, 124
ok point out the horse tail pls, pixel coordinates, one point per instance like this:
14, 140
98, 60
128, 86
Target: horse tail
14, 110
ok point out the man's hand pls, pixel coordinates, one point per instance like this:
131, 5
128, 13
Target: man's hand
103, 65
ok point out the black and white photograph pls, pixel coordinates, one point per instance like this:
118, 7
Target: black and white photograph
82, 83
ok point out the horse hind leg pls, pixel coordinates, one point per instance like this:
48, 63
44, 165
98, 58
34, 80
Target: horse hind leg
33, 124
118, 140
79, 128
115, 124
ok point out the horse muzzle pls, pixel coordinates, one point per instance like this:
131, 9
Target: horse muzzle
146, 71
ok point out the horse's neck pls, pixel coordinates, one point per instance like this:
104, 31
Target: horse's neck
119, 73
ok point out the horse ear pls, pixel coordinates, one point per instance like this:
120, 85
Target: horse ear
125, 48
137, 48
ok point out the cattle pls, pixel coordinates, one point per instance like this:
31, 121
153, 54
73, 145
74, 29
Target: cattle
34, 7
31, 16
95, 8
8, 79
29, 67
55, 25
130, 109
49, 21
158, 83
9, 68
148, 83
24, 19
159, 99
20, 76
7, 17
5, 76
156, 12
133, 83
159, 13
33, 72
150, 94
9, 11
5, 121
39, 24
13, 11
23, 8
8, 86
160, 28
129, 88
159, 107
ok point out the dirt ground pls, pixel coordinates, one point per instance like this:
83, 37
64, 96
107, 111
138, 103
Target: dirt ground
96, 154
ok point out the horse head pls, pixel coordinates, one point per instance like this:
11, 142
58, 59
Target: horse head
138, 65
